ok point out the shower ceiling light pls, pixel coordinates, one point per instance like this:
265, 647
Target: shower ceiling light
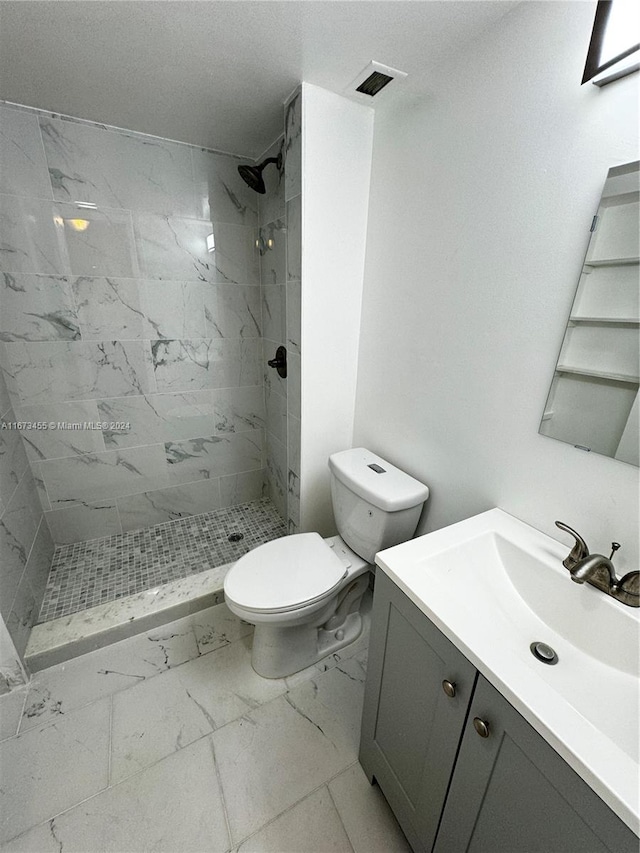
78, 224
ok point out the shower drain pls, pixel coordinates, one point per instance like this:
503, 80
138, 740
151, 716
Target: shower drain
235, 537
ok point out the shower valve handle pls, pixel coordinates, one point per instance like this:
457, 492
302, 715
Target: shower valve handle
279, 362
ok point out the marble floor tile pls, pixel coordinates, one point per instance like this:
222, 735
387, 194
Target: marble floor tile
370, 823
78, 682
268, 760
312, 826
49, 769
333, 703
173, 806
216, 627
11, 705
160, 716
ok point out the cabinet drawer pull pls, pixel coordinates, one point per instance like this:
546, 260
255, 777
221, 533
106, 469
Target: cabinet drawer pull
449, 688
481, 727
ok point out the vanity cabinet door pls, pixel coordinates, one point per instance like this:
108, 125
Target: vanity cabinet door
411, 728
512, 793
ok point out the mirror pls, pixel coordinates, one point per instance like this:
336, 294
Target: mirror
593, 400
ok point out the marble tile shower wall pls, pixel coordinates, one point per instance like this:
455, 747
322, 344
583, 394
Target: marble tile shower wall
115, 310
293, 219
273, 260
279, 246
26, 549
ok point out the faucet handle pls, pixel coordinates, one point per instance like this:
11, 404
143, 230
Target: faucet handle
615, 546
627, 589
579, 550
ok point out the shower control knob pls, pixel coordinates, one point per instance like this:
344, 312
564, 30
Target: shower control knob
280, 362
449, 688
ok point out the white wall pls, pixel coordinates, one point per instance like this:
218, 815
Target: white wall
337, 138
481, 201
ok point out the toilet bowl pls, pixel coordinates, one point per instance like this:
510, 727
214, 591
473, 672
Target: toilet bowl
303, 592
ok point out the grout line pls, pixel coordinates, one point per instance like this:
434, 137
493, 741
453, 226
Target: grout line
110, 742
335, 805
119, 517
44, 157
160, 443
98, 125
24, 708
297, 802
221, 789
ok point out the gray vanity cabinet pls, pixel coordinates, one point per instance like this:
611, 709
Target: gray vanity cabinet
411, 728
454, 786
512, 793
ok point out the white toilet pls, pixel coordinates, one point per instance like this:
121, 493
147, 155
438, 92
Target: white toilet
303, 592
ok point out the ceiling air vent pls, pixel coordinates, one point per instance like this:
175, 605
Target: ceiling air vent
373, 83
373, 80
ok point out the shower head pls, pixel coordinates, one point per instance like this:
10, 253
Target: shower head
252, 175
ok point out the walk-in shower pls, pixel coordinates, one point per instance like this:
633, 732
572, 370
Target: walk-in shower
142, 292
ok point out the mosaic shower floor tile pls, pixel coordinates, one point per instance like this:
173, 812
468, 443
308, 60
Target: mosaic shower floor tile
85, 574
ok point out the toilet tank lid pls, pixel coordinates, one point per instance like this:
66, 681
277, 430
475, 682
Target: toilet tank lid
390, 489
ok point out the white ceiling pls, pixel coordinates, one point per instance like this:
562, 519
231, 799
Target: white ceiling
216, 72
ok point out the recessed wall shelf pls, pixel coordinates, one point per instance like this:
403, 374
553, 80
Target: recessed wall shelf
594, 399
599, 374
627, 321
613, 262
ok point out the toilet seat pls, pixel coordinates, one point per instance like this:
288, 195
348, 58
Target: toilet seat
284, 574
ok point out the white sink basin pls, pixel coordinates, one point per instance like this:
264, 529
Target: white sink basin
494, 585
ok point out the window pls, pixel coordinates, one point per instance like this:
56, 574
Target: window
614, 42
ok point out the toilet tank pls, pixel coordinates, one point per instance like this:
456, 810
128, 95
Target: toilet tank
375, 504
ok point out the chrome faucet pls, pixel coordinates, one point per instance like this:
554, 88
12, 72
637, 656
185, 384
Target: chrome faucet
600, 572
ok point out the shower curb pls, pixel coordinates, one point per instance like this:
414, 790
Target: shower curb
68, 637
